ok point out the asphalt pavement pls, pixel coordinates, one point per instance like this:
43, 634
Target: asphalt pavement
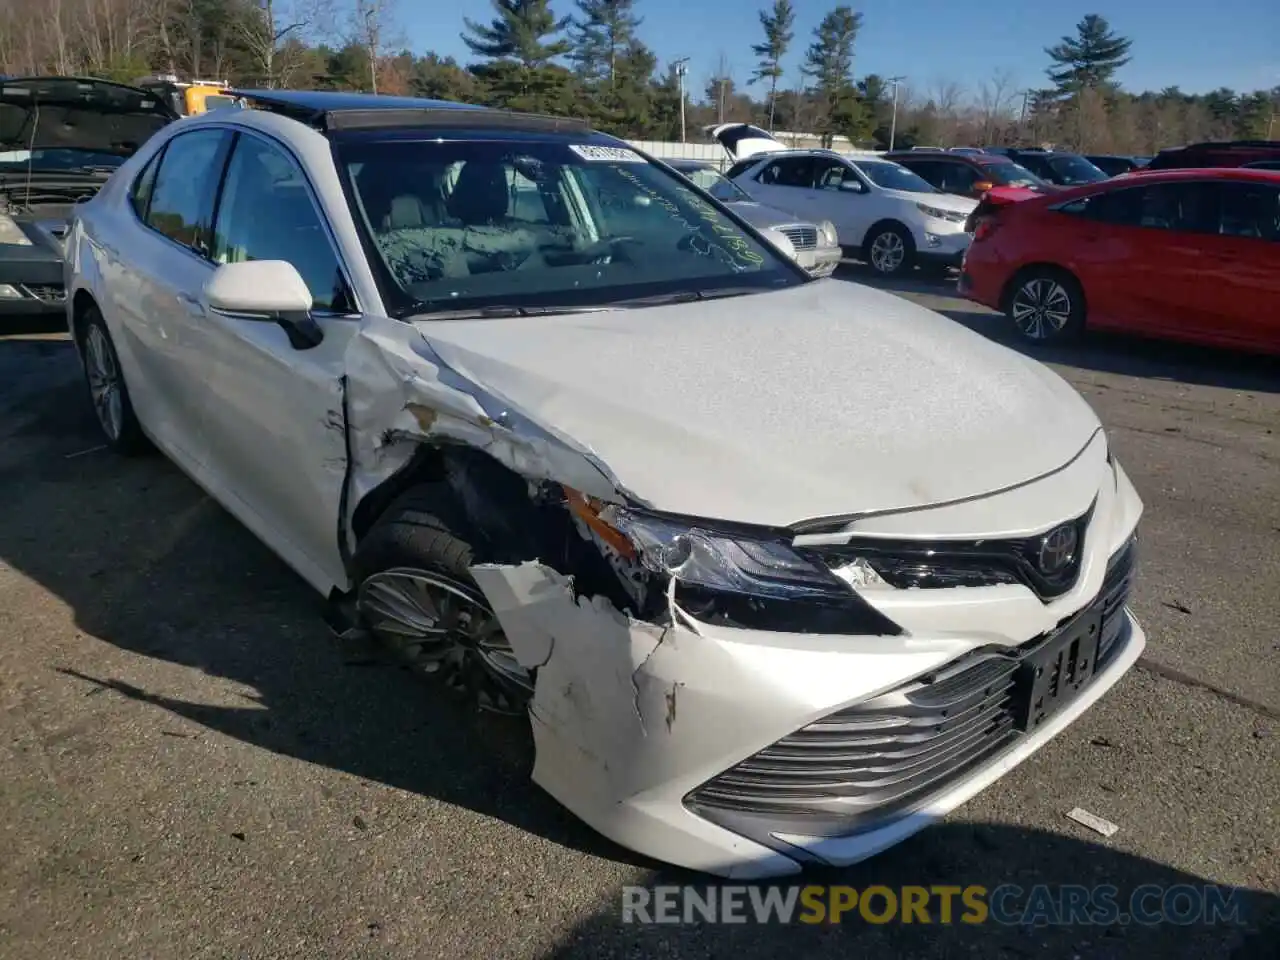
192, 765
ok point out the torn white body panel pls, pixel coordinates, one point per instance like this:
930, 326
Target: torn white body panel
629, 717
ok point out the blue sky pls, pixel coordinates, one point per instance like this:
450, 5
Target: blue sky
1196, 45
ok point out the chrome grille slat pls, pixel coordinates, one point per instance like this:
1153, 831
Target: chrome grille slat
883, 756
802, 238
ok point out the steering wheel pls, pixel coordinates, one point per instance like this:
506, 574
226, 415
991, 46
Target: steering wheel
602, 251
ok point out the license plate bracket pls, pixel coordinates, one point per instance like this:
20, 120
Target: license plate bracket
1051, 676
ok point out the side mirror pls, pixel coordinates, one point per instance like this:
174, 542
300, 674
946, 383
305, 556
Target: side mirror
851, 186
982, 186
270, 290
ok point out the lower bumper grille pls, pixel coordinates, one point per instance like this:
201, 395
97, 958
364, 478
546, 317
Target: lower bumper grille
886, 755
46, 292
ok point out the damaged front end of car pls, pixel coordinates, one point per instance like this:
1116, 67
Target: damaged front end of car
715, 695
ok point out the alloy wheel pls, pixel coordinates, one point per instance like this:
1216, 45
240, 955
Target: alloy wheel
446, 629
104, 382
1041, 308
887, 252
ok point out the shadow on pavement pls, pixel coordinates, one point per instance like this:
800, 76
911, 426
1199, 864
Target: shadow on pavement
961, 855
151, 565
1105, 353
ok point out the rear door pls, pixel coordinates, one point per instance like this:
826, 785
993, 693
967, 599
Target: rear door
153, 285
785, 183
1245, 264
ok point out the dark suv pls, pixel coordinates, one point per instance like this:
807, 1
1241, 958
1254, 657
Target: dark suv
1264, 154
967, 174
1063, 169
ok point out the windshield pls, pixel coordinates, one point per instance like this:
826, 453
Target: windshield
716, 184
1011, 175
892, 176
58, 159
460, 224
1076, 170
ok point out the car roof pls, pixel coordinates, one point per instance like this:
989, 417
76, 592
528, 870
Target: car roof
332, 111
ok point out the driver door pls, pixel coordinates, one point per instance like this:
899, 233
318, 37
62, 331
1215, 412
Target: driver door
275, 432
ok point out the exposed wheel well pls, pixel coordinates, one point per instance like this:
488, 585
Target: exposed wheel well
80, 305
1046, 268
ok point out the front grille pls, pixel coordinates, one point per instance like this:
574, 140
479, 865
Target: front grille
886, 755
879, 755
940, 564
48, 292
802, 238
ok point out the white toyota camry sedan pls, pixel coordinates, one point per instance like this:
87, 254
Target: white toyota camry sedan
779, 569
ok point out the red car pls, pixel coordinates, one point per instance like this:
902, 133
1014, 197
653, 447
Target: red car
1185, 254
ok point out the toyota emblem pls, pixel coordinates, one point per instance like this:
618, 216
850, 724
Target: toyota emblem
1057, 550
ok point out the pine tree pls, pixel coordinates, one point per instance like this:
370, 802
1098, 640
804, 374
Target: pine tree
778, 34
523, 31
521, 44
1090, 59
602, 34
829, 63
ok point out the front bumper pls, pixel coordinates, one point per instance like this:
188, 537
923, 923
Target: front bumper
943, 246
34, 300
645, 731
819, 261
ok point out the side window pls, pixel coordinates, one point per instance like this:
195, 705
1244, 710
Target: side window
741, 167
830, 174
181, 205
1250, 210
1185, 207
930, 171
1119, 207
143, 185
789, 172
266, 213
1037, 166
960, 178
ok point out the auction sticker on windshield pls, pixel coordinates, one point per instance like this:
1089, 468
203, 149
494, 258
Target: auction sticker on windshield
606, 154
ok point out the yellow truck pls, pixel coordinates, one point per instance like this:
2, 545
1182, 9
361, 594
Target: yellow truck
189, 97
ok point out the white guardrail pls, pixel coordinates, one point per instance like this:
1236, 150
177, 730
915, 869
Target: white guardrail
711, 153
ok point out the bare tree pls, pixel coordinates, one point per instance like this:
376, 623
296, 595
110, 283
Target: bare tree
267, 35
372, 23
995, 101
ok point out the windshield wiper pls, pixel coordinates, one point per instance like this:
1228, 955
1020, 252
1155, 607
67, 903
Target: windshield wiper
499, 312
681, 296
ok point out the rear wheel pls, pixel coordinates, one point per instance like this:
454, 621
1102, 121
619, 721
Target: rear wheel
889, 249
417, 597
1046, 306
107, 388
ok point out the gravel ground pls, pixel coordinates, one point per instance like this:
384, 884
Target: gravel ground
191, 765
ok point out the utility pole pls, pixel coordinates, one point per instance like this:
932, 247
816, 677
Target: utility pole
682, 67
893, 123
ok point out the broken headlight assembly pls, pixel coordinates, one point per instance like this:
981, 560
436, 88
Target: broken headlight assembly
749, 579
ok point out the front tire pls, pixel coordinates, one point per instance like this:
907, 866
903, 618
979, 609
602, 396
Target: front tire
1046, 306
417, 597
890, 250
107, 390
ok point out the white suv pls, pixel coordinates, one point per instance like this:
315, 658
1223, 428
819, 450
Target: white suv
883, 213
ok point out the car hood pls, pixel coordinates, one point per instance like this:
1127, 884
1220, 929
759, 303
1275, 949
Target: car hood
762, 216
943, 201
61, 113
823, 400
